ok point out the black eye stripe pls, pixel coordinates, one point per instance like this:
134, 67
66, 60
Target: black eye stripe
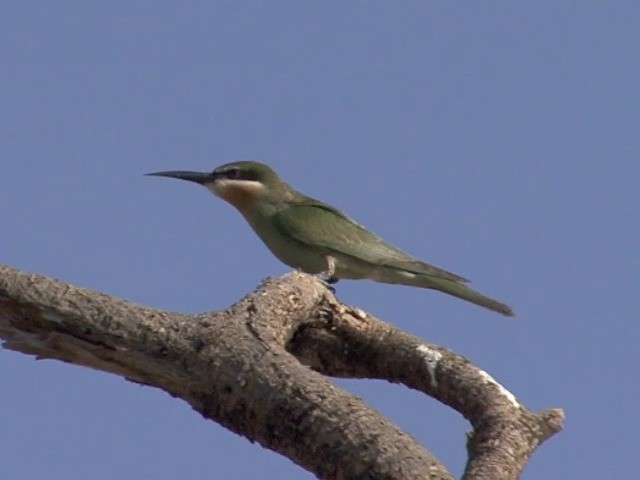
249, 175
235, 173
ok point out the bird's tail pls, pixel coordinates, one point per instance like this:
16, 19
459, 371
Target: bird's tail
459, 290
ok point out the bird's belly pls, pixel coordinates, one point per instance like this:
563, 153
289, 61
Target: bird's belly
309, 258
301, 258
314, 259
295, 254
318, 261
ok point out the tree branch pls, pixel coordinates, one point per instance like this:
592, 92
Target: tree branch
236, 367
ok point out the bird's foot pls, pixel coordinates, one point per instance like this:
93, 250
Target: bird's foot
328, 280
328, 277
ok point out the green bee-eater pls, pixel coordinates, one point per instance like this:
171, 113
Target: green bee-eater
312, 236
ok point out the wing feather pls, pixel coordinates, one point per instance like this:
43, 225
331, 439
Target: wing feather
322, 226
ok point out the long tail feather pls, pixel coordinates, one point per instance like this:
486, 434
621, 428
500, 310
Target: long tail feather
462, 291
459, 290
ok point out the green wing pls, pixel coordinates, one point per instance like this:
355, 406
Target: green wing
322, 226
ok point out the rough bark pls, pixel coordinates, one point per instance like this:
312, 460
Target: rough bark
259, 368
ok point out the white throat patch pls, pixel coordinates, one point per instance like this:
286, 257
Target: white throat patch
225, 187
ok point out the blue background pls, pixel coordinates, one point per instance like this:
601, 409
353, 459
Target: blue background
497, 140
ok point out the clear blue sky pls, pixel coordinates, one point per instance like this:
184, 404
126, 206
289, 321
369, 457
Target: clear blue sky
498, 140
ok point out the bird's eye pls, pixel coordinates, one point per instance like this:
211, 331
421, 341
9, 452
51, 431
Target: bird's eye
233, 173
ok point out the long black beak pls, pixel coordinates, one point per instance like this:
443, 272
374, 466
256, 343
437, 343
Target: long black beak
196, 177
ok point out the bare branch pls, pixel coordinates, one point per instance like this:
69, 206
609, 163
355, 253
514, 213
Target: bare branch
230, 366
354, 344
236, 367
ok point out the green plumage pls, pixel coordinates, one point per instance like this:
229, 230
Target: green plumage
328, 231
307, 234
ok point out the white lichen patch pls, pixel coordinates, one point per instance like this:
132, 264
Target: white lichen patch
431, 358
507, 394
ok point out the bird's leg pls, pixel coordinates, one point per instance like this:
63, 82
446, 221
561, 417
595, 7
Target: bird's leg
328, 276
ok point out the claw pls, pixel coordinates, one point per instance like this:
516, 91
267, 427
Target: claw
327, 281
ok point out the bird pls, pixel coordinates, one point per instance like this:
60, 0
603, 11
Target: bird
309, 235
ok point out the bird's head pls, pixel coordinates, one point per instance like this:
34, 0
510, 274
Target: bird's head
239, 183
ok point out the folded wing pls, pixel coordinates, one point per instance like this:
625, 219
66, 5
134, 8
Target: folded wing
325, 227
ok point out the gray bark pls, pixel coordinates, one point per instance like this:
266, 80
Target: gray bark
259, 368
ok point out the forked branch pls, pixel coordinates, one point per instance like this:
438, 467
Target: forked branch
244, 368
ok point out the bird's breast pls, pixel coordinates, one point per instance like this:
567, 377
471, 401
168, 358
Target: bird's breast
287, 249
